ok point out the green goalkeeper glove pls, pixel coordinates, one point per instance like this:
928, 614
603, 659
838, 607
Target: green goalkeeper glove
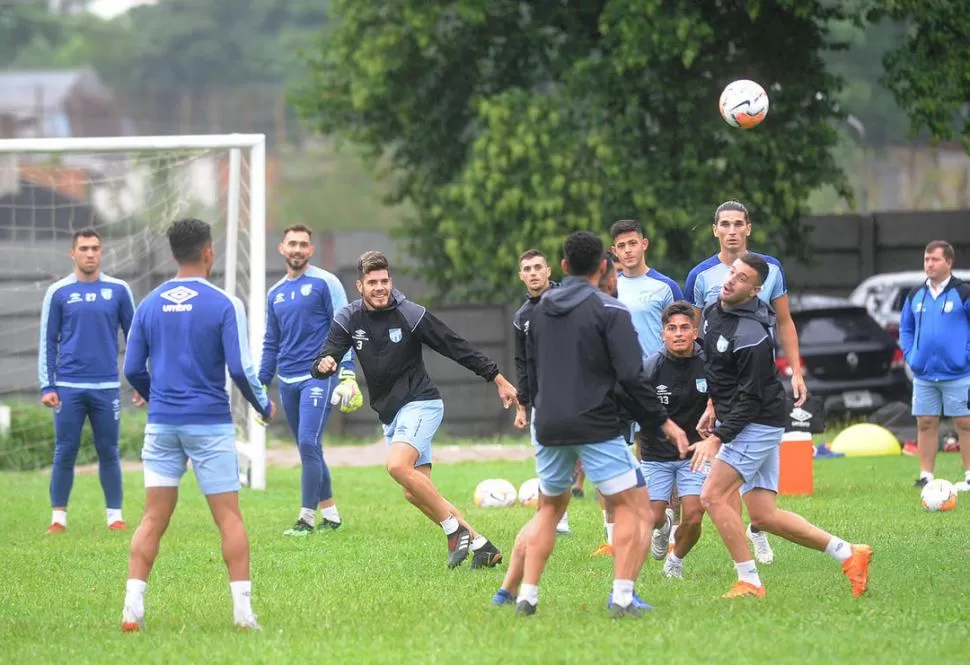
347, 393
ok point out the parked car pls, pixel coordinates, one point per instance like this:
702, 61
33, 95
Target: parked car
848, 359
883, 295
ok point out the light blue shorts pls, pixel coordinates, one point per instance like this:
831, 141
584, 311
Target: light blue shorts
947, 398
661, 477
212, 449
415, 424
609, 466
754, 454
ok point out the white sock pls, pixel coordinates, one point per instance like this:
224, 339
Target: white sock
450, 525
838, 549
59, 517
622, 592
330, 513
673, 533
308, 515
609, 533
925, 474
135, 596
674, 559
528, 593
748, 572
966, 477
564, 520
241, 598
114, 515
478, 542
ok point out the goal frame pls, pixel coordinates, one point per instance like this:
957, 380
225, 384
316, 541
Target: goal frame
235, 144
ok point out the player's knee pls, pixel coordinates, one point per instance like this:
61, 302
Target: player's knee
962, 425
927, 423
691, 517
399, 470
310, 451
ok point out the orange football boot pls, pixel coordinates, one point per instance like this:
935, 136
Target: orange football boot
745, 589
856, 568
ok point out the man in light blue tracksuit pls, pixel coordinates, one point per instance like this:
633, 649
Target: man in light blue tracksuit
934, 333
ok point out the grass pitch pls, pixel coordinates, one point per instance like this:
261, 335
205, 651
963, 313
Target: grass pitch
378, 590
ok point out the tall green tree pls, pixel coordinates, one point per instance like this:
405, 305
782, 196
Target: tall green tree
929, 72
508, 125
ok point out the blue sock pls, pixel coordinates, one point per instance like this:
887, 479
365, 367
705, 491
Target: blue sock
503, 597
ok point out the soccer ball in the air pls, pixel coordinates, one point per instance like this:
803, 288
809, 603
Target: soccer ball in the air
529, 493
743, 104
938, 496
495, 493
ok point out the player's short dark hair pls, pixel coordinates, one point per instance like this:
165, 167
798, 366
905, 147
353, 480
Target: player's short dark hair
86, 232
677, 308
947, 248
298, 228
187, 238
752, 260
371, 261
735, 206
531, 254
583, 252
625, 226
610, 262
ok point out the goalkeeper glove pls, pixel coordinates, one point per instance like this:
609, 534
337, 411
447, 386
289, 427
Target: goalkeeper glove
347, 393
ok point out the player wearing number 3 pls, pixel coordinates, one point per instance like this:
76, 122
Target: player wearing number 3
299, 313
387, 332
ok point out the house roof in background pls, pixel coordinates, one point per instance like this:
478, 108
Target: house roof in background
25, 89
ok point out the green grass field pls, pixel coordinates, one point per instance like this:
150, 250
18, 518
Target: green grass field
379, 591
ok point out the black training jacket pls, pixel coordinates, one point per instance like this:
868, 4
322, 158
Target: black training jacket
520, 324
388, 345
681, 385
742, 377
582, 344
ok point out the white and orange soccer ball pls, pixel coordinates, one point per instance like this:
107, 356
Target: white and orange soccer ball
529, 493
495, 493
938, 496
743, 104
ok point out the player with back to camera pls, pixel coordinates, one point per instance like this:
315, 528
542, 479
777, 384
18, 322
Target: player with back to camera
299, 313
387, 332
744, 428
732, 228
577, 416
78, 372
513, 577
678, 375
535, 273
188, 331
645, 291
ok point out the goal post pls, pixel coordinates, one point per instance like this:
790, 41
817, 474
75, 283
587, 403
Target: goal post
130, 188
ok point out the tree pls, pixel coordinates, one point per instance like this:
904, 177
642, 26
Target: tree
928, 72
199, 42
508, 125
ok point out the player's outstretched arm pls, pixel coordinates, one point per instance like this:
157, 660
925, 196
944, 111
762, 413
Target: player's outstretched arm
235, 345
136, 357
442, 339
336, 346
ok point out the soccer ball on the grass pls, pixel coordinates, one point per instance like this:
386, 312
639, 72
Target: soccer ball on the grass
938, 496
529, 493
495, 493
743, 104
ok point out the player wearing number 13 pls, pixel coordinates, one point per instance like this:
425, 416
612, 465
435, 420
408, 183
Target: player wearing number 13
299, 313
387, 332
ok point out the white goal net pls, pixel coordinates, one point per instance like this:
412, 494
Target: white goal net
129, 189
